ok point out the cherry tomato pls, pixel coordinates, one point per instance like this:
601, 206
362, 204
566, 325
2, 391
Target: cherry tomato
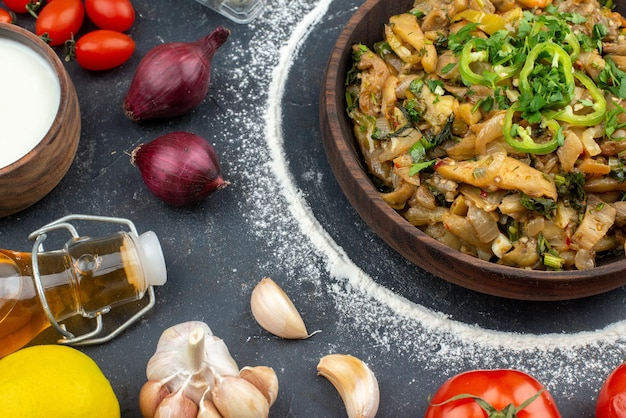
116, 15
500, 389
103, 49
60, 20
22, 6
612, 397
6, 16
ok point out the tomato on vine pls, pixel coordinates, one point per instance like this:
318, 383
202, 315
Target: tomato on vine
118, 15
23, 6
6, 16
611, 401
60, 20
102, 49
491, 394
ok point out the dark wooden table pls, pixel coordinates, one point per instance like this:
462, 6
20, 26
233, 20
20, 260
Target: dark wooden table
288, 219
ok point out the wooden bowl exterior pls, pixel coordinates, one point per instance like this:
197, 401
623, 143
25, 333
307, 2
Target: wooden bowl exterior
366, 26
32, 177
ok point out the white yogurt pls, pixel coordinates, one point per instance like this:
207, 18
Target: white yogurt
30, 94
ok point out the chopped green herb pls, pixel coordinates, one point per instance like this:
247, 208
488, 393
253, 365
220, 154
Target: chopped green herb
456, 41
542, 205
570, 188
613, 79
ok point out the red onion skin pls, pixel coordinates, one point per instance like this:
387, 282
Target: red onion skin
173, 78
180, 168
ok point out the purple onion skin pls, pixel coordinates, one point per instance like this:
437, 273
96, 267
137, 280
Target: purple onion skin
173, 78
180, 168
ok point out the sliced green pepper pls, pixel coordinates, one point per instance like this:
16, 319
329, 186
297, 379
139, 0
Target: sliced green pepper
558, 58
470, 55
526, 143
589, 119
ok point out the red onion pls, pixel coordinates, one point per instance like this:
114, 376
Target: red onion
180, 168
173, 78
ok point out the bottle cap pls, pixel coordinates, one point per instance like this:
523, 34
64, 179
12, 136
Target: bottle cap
152, 259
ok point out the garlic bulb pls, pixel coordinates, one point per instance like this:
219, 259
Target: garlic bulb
355, 382
264, 379
190, 351
275, 312
235, 397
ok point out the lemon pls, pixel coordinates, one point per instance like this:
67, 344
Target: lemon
54, 381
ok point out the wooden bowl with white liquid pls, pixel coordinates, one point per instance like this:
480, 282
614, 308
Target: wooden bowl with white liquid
39, 119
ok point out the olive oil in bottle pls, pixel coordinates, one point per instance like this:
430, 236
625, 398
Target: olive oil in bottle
87, 277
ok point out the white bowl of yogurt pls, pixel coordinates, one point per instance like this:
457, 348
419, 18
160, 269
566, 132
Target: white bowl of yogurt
39, 119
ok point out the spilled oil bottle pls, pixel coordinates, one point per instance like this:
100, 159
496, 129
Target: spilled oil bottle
87, 277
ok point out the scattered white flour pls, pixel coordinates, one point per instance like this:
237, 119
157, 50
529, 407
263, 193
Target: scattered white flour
566, 363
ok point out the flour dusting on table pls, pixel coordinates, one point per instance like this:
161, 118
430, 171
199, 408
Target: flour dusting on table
564, 362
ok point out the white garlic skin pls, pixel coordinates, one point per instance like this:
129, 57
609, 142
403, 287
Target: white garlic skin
174, 361
275, 312
235, 397
355, 382
264, 379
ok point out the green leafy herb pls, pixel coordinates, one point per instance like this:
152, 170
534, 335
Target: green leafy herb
542, 205
418, 150
618, 170
417, 167
456, 41
412, 110
549, 256
415, 86
383, 49
570, 187
352, 74
448, 67
612, 79
435, 86
612, 123
486, 104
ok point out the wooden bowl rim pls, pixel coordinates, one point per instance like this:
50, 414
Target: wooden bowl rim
32, 41
343, 143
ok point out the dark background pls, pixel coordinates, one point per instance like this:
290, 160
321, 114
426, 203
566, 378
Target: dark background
218, 250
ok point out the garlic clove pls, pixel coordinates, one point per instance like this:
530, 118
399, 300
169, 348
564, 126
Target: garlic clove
275, 312
150, 396
206, 408
176, 405
235, 397
355, 382
264, 379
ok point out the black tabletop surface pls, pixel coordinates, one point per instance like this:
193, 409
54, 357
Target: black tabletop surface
284, 216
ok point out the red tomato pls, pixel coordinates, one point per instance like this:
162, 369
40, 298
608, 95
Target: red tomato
612, 397
499, 388
103, 49
6, 16
60, 20
22, 6
116, 15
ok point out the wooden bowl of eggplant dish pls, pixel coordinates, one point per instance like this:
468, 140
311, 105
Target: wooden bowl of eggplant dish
483, 141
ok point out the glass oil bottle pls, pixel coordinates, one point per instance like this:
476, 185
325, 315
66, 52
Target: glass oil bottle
87, 277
